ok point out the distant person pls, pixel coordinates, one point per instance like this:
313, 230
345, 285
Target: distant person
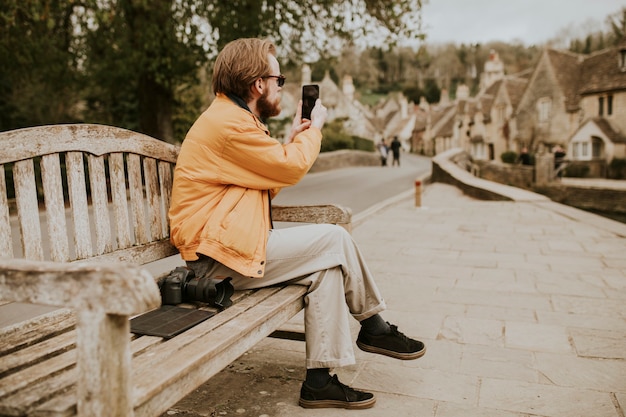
395, 150
524, 157
384, 152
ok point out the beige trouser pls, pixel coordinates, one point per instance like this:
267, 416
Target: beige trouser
325, 258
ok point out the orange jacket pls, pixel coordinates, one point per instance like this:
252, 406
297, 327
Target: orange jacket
226, 172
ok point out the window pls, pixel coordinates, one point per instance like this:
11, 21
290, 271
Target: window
600, 106
609, 105
543, 107
622, 59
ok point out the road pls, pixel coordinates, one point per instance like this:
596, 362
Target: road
356, 187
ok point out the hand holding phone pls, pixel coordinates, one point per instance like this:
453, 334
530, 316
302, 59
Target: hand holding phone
310, 94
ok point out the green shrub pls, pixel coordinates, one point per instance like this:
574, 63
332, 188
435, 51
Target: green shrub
363, 144
336, 138
576, 171
509, 157
617, 169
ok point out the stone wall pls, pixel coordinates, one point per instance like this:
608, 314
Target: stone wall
586, 198
344, 158
520, 176
593, 198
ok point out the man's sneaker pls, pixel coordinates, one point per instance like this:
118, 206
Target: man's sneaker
335, 395
394, 344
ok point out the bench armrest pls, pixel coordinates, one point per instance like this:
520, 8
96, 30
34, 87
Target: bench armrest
119, 289
103, 297
326, 213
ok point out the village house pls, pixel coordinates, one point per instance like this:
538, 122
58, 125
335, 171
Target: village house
601, 136
567, 99
393, 116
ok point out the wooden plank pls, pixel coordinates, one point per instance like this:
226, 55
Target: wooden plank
6, 236
28, 209
55, 207
194, 364
78, 201
152, 196
100, 204
25, 400
19, 380
39, 328
117, 177
38, 352
135, 188
172, 346
95, 139
140, 255
327, 213
48, 390
165, 177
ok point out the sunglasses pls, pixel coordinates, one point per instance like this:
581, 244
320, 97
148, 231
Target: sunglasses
280, 79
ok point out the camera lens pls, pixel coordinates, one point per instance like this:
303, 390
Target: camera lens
214, 292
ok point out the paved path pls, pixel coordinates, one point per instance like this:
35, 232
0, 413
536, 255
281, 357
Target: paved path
522, 306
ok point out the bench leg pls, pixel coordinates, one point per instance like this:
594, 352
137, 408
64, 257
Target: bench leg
104, 365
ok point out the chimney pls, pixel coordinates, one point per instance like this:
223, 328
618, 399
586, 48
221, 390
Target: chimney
306, 74
348, 87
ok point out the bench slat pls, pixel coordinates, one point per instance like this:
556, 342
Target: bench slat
168, 371
6, 242
140, 255
38, 372
135, 188
152, 196
25, 400
120, 200
172, 346
37, 329
176, 376
78, 201
55, 207
38, 352
28, 209
100, 204
96, 139
165, 183
47, 389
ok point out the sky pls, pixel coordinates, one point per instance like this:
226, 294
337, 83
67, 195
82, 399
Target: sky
532, 22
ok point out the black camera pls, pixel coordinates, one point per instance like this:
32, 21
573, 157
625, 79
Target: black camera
182, 286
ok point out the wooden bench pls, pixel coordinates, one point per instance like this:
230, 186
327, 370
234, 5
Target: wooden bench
88, 216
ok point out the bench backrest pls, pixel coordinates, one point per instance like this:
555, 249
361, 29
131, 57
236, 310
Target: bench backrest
70, 192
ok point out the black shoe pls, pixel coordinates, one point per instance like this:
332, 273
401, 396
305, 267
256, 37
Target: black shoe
394, 344
335, 395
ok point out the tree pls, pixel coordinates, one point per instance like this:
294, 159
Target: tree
134, 55
39, 78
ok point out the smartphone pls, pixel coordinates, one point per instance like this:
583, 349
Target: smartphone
310, 93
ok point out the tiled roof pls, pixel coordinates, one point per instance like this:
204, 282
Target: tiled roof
567, 72
609, 131
515, 88
601, 72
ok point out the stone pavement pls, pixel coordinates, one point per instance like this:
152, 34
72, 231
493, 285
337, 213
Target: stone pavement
522, 306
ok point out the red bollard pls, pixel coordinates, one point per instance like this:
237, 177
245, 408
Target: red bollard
418, 193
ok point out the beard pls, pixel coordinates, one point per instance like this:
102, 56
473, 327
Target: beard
267, 108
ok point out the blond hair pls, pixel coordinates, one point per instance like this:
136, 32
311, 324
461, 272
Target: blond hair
239, 64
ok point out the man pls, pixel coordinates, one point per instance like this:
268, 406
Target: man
395, 149
228, 170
